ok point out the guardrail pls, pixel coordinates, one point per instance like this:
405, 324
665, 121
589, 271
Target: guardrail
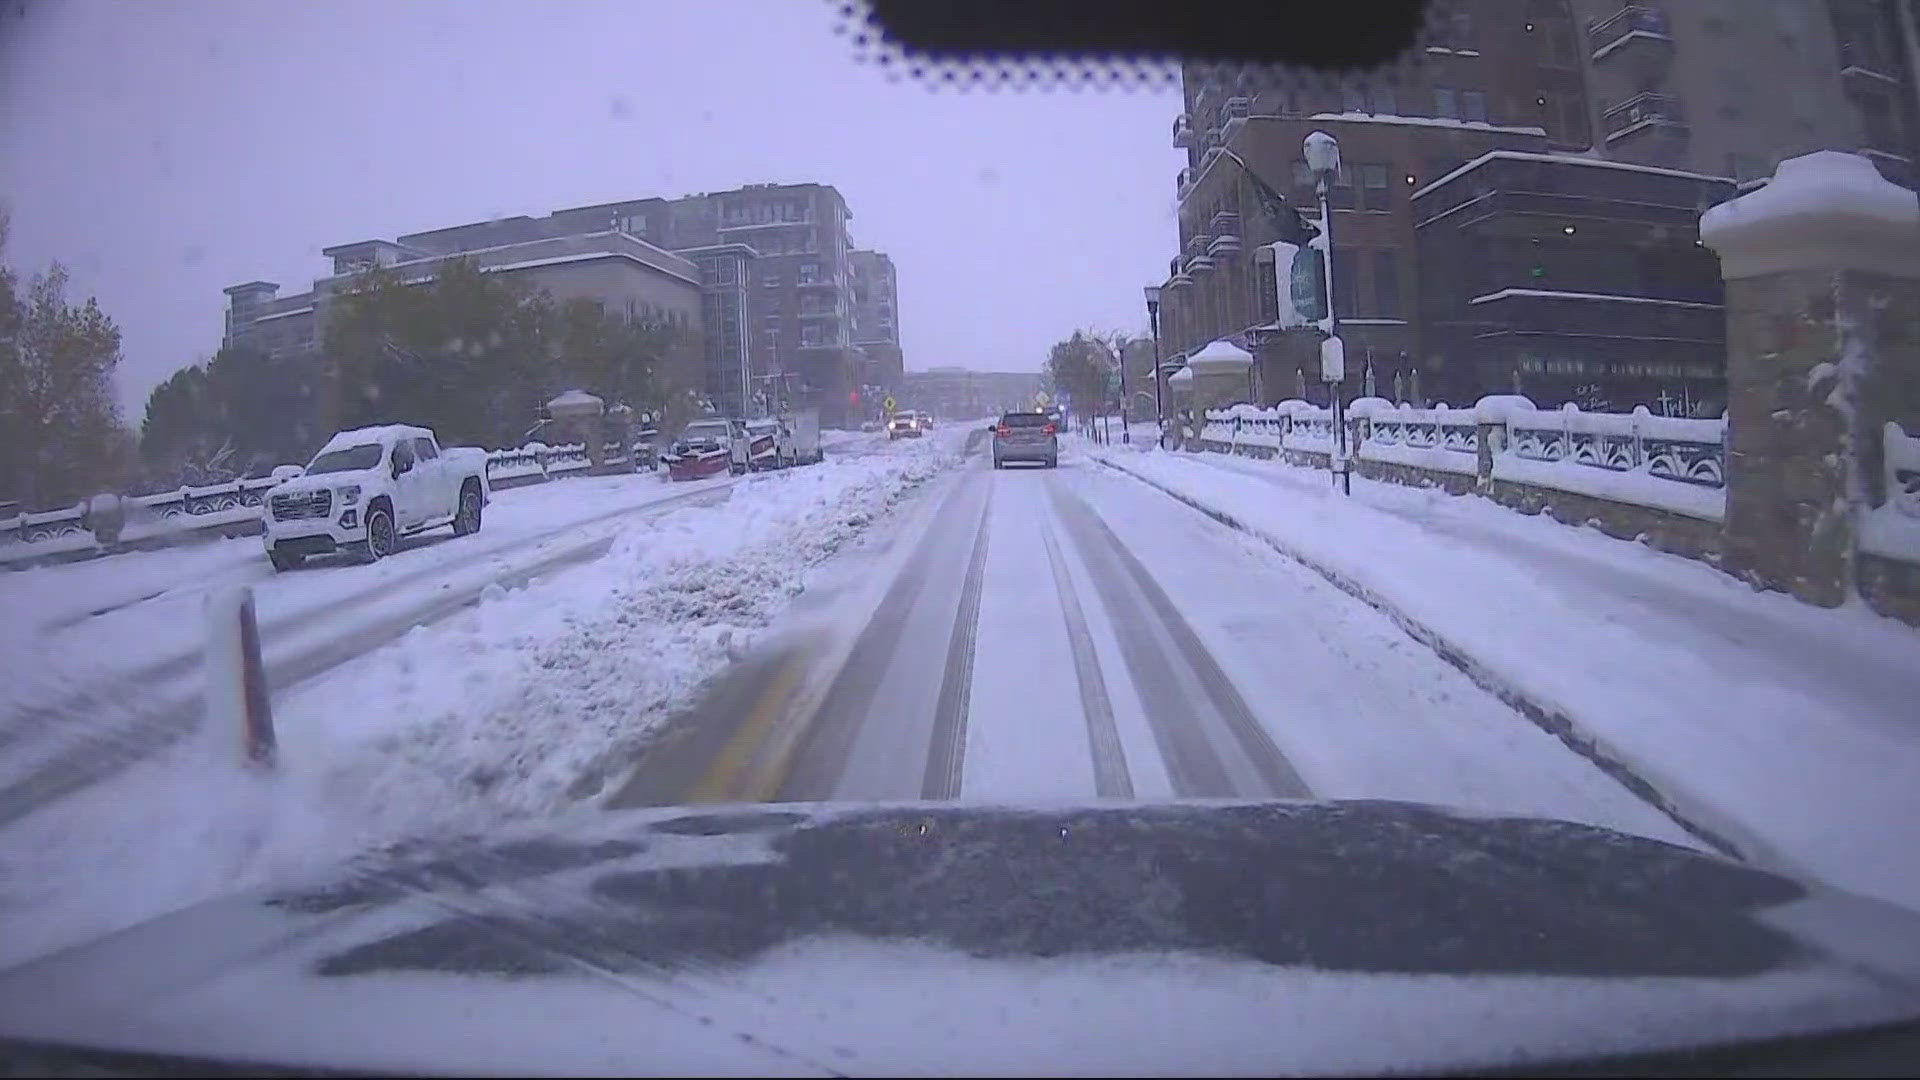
233, 508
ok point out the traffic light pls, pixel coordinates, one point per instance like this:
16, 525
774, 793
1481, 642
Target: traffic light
853, 397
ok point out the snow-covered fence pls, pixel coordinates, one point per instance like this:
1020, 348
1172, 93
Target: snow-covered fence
1634, 473
1443, 439
1892, 529
1663, 462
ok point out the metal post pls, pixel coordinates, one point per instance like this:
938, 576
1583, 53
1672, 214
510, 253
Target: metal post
1126, 433
1342, 478
1159, 407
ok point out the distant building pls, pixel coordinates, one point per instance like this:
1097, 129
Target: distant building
761, 275
876, 327
958, 393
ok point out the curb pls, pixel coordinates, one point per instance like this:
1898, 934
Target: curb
1721, 836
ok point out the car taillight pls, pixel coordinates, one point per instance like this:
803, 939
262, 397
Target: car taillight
1004, 430
1049, 429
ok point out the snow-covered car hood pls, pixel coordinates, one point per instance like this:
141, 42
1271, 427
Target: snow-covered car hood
1208, 938
300, 485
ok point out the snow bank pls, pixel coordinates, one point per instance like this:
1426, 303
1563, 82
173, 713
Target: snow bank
496, 713
1786, 726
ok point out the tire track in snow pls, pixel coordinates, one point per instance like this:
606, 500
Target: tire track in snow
949, 747
1189, 739
1110, 777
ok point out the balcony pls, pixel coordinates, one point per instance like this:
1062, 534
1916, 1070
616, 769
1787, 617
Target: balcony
1207, 159
1233, 116
1180, 280
1183, 130
1868, 66
1183, 183
1646, 114
1199, 264
1637, 35
1226, 221
1224, 244
1196, 245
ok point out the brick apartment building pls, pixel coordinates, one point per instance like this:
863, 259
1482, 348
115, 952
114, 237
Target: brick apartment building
760, 276
1529, 165
876, 325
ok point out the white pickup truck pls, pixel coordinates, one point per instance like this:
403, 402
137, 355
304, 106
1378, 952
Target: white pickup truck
369, 487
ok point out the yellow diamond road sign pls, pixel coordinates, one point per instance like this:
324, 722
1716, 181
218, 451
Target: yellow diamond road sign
889, 404
1041, 399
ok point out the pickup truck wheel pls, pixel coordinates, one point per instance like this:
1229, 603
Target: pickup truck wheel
380, 537
466, 521
284, 560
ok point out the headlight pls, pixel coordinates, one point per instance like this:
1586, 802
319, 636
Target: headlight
350, 494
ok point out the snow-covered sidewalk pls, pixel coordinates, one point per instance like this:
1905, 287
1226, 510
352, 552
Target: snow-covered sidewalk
496, 713
1789, 729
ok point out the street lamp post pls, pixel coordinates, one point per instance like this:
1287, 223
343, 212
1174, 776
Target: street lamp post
1159, 407
1120, 357
1323, 162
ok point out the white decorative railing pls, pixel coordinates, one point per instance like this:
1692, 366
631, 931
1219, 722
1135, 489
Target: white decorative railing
1892, 529
1903, 470
1667, 463
1668, 447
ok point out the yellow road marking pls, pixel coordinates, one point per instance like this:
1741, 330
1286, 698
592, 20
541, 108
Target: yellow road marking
727, 780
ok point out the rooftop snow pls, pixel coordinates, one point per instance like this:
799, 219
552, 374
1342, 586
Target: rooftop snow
1428, 121
1556, 295
1564, 159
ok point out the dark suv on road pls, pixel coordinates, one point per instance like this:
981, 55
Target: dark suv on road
1026, 436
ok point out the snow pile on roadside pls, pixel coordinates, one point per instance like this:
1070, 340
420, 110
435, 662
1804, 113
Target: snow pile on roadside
1783, 725
493, 714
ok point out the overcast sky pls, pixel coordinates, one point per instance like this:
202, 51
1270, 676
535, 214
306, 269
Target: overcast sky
167, 150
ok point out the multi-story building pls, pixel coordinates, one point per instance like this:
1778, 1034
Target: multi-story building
1484, 78
876, 327
1730, 87
1475, 184
768, 267
624, 274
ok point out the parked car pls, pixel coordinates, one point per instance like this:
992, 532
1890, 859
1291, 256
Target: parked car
1026, 436
800, 438
904, 425
369, 487
704, 448
926, 421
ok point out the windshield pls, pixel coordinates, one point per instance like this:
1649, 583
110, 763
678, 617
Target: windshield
1504, 406
349, 459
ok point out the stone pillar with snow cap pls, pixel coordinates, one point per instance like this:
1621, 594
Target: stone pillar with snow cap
1822, 269
578, 413
1180, 386
1221, 374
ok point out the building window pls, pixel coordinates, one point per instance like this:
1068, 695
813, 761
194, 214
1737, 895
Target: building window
1443, 103
1373, 187
771, 277
1574, 116
1343, 283
809, 273
1386, 284
1473, 105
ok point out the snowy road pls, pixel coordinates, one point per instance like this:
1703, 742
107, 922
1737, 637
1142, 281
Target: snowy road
77, 712
1048, 635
